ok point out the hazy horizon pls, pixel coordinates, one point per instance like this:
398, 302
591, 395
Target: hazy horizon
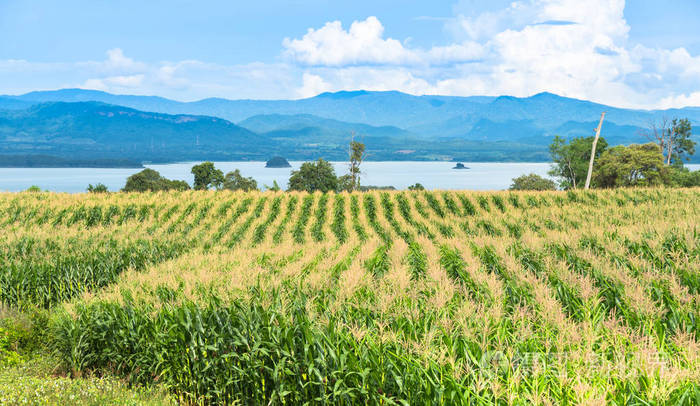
333, 92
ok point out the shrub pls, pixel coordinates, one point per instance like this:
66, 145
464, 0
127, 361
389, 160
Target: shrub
149, 180
532, 182
313, 176
98, 188
682, 177
235, 181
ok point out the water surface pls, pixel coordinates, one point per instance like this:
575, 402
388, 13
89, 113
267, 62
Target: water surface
433, 175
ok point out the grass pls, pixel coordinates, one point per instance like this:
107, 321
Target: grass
32, 383
351, 298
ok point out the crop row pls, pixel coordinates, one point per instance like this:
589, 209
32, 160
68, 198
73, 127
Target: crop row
43, 273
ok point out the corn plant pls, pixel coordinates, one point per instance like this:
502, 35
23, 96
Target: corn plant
355, 217
259, 232
455, 267
378, 264
291, 206
231, 220
298, 232
320, 214
371, 212
338, 225
388, 207
241, 230
467, 205
43, 273
450, 204
434, 204
498, 202
405, 211
483, 203
417, 261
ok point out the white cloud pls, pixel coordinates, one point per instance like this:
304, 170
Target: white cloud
133, 81
116, 60
691, 99
365, 78
574, 48
483, 26
331, 45
467, 51
313, 85
364, 44
181, 80
116, 64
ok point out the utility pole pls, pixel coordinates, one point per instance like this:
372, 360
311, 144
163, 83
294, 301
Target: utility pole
671, 133
352, 167
595, 141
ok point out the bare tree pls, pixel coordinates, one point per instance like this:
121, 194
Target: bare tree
357, 150
673, 138
660, 132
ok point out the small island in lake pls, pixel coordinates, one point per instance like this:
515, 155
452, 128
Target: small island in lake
277, 162
460, 166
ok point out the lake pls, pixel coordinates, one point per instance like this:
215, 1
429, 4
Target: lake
433, 175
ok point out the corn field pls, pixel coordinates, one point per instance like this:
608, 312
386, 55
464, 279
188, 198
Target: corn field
417, 298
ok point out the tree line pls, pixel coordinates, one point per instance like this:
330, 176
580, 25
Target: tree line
311, 176
660, 162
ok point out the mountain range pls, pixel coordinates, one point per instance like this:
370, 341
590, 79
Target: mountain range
81, 123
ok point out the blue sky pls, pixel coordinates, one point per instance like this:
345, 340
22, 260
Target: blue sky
639, 53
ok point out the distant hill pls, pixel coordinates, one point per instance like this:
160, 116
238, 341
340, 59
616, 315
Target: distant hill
146, 103
88, 130
10, 103
279, 125
395, 125
544, 110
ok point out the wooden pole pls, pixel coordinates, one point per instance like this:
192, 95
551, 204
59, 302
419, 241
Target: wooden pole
671, 133
595, 142
352, 172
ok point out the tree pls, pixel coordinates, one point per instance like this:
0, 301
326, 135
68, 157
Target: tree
658, 133
673, 138
571, 159
681, 146
682, 177
416, 186
150, 180
98, 188
235, 181
532, 182
207, 176
357, 150
274, 188
175, 185
346, 183
312, 176
635, 165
